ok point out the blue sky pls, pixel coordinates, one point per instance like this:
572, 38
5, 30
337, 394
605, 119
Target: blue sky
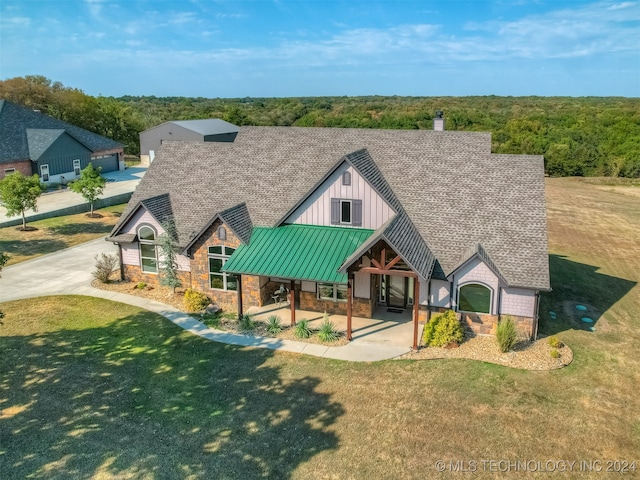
281, 48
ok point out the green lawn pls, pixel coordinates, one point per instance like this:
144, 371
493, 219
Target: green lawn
56, 233
94, 389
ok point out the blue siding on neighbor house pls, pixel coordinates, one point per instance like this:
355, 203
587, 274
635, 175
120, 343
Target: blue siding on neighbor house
61, 154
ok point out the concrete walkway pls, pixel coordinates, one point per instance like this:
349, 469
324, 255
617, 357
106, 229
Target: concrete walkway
68, 272
49, 204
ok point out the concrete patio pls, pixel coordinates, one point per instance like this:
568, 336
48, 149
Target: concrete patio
385, 329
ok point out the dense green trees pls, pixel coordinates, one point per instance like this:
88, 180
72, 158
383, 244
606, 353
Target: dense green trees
577, 136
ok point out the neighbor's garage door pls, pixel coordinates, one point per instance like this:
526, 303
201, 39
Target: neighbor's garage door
109, 163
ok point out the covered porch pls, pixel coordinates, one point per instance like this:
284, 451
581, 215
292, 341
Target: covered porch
385, 328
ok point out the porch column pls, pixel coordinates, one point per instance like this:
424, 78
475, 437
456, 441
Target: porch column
349, 305
416, 309
239, 279
292, 299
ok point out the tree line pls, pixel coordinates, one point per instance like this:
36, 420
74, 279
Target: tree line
583, 136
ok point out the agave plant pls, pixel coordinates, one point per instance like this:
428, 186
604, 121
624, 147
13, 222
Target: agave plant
302, 329
273, 325
328, 332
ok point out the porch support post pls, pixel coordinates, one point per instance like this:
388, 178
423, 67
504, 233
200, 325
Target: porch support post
416, 308
292, 299
349, 306
239, 279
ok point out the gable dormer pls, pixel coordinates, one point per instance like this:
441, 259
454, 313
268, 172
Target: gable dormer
345, 198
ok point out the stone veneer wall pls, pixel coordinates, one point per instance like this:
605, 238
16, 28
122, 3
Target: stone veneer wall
133, 273
228, 300
487, 324
360, 307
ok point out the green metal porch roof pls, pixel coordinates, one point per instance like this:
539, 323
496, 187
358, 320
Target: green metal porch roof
301, 252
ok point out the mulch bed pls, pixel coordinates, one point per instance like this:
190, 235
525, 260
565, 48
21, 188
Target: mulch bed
164, 294
526, 355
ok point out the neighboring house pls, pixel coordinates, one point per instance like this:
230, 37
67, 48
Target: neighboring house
351, 220
31, 142
205, 130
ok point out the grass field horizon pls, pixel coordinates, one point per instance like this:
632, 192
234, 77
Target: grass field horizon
95, 389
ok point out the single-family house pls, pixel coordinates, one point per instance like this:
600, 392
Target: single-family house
351, 221
31, 142
204, 130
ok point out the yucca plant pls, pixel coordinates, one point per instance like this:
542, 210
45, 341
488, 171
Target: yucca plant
246, 322
328, 332
302, 329
273, 325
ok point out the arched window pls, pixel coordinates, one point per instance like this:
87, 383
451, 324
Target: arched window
346, 178
148, 253
222, 233
474, 297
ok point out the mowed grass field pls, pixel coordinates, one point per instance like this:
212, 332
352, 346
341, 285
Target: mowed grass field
95, 389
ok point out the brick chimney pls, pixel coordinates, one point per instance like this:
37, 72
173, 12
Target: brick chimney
438, 121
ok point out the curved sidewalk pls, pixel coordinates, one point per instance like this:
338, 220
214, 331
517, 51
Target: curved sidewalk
68, 272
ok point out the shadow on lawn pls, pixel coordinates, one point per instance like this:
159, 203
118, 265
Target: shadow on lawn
76, 228
139, 397
574, 284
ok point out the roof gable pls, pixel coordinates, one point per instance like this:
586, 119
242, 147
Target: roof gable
453, 191
15, 120
39, 140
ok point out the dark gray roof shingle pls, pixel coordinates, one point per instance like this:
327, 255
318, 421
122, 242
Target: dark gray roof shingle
15, 120
453, 191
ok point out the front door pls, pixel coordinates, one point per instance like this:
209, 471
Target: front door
396, 291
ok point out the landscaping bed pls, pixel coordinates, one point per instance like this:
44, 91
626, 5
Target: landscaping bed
525, 355
223, 321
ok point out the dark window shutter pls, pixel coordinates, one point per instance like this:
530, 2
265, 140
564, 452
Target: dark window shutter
335, 211
356, 214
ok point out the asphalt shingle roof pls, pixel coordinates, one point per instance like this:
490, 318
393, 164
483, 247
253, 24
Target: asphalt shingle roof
452, 191
15, 120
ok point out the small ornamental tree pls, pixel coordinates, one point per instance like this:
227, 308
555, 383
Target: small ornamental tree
169, 265
19, 194
4, 258
90, 185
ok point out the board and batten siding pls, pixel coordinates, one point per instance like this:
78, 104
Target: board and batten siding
362, 282
518, 301
316, 210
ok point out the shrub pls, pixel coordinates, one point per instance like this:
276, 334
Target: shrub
141, 285
246, 322
273, 325
302, 329
195, 301
555, 342
328, 332
506, 334
554, 353
105, 265
442, 329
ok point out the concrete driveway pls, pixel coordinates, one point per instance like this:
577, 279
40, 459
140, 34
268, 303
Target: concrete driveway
67, 271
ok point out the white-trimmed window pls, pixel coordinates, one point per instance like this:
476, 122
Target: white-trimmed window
76, 167
336, 292
148, 250
345, 211
44, 173
474, 297
346, 178
9, 171
219, 280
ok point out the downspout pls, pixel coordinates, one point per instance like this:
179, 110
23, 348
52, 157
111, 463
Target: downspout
121, 262
536, 316
428, 300
499, 309
453, 279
